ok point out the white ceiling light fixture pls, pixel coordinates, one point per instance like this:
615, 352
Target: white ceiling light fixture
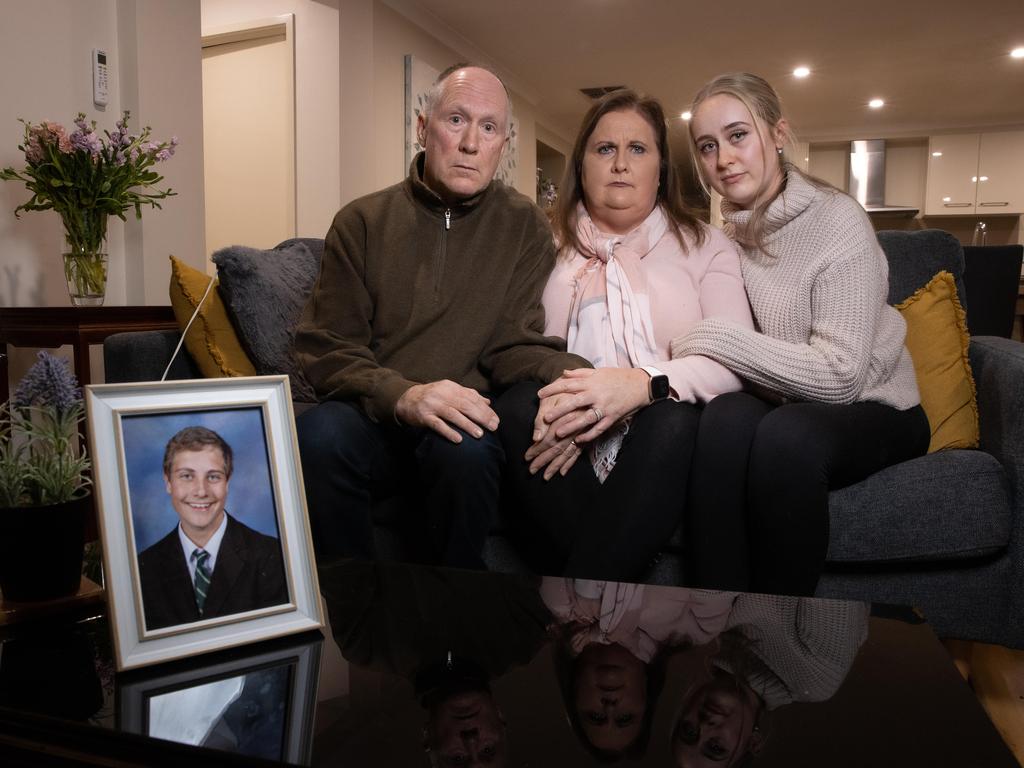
801, 72
876, 103
1017, 53
936, 154
686, 115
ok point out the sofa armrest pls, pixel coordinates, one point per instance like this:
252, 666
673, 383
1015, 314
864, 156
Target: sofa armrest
998, 366
143, 355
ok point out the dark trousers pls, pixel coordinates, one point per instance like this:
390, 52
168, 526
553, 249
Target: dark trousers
580, 527
349, 462
758, 513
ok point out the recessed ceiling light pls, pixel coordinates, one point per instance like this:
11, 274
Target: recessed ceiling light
801, 72
974, 178
936, 154
984, 178
1017, 53
876, 103
946, 199
686, 115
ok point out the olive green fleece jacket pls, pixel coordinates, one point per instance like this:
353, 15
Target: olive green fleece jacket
412, 291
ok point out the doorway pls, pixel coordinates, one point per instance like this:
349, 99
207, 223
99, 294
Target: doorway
249, 133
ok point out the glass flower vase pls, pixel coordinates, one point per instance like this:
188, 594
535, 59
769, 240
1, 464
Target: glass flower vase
85, 270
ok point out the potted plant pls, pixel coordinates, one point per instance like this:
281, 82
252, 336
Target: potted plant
44, 484
86, 179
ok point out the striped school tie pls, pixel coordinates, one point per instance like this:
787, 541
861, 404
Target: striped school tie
202, 557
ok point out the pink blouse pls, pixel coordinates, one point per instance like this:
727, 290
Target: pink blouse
684, 288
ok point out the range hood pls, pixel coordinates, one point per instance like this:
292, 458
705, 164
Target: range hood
867, 178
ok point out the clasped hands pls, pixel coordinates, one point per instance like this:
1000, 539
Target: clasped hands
579, 407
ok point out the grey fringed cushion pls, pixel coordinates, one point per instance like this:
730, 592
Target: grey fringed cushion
265, 292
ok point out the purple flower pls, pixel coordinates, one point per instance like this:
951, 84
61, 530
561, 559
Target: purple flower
33, 148
85, 138
48, 382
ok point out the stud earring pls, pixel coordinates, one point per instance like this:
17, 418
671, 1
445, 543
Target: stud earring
779, 150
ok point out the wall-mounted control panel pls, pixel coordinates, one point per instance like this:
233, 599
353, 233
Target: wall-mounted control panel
100, 78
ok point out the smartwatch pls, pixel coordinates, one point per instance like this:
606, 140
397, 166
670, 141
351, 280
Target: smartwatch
658, 387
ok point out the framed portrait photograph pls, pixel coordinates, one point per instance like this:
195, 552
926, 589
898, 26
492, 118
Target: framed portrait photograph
206, 538
256, 701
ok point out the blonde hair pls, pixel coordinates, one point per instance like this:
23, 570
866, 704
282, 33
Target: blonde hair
757, 95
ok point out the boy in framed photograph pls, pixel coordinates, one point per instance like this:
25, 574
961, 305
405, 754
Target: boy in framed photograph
211, 564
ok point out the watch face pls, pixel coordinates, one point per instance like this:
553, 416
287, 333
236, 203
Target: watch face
659, 387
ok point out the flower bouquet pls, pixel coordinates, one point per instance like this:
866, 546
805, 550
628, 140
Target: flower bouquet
86, 178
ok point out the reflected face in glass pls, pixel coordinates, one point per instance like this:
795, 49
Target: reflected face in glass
620, 171
716, 725
466, 730
198, 486
611, 696
733, 159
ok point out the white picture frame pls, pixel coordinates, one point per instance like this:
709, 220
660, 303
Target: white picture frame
419, 77
129, 428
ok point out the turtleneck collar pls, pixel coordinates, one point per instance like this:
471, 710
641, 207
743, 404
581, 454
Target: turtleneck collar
423, 194
796, 195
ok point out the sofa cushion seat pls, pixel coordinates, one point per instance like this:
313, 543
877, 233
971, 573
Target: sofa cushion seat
949, 505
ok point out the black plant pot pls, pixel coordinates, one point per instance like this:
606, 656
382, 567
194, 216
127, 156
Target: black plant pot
41, 550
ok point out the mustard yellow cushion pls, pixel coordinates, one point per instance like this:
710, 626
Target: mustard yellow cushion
937, 339
211, 340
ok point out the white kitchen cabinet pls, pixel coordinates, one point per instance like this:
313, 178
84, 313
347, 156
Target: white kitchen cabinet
1001, 173
975, 173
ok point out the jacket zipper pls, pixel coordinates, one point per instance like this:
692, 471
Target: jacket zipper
442, 253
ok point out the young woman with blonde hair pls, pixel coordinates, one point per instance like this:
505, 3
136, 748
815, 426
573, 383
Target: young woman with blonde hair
831, 394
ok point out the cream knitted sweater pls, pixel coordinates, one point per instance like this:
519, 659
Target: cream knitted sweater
795, 648
827, 332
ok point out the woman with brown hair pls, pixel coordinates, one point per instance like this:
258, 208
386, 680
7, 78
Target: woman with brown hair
635, 268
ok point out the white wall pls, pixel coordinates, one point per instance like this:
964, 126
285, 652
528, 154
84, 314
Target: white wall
48, 48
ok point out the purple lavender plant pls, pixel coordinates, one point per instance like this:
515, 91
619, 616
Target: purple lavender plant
41, 462
49, 382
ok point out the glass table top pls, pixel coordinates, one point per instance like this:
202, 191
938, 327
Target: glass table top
427, 666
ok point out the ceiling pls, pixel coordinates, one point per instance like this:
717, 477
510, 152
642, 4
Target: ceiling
939, 65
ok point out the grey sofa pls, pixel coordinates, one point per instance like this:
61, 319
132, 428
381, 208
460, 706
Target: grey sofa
944, 532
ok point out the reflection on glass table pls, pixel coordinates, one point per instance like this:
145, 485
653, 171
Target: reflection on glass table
434, 667
258, 704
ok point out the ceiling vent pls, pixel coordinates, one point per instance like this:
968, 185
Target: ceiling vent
597, 93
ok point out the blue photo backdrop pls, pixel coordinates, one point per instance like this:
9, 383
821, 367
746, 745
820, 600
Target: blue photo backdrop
250, 492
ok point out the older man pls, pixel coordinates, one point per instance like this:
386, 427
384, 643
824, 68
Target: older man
427, 303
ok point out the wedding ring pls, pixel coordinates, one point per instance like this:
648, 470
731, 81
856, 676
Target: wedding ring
597, 414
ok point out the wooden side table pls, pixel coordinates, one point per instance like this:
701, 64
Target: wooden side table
50, 327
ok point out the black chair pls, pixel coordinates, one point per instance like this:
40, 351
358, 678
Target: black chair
991, 283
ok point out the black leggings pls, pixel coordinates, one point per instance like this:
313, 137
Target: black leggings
758, 512
575, 525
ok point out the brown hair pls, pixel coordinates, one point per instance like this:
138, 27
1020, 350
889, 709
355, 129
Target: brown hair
764, 105
196, 439
670, 195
